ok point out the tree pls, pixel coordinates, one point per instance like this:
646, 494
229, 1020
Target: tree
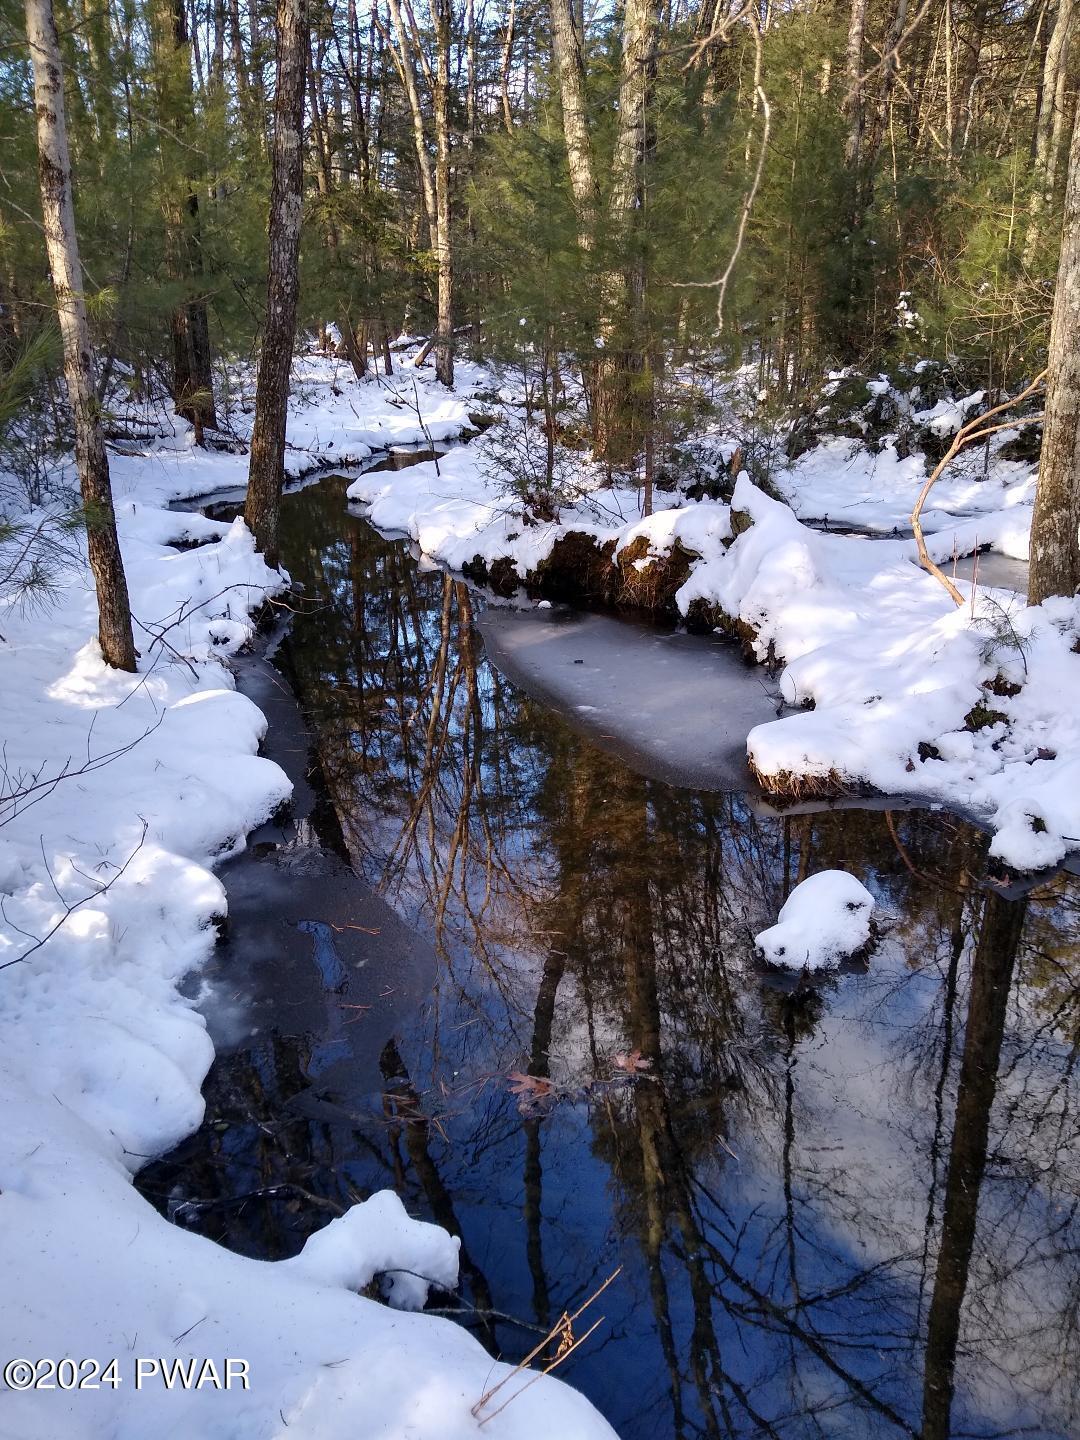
570, 66
193, 383
435, 181
444, 353
61, 242
267, 461
1055, 546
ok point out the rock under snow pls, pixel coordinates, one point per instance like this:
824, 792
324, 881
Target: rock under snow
825, 919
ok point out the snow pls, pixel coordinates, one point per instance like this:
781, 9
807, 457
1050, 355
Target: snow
893, 671
133, 787
332, 420
844, 482
824, 920
896, 689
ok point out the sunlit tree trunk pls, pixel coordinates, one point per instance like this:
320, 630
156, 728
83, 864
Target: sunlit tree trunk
353, 345
444, 351
62, 246
504, 69
856, 102
406, 67
266, 464
621, 401
1055, 548
570, 66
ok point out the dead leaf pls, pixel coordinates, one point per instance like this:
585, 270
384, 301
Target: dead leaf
632, 1062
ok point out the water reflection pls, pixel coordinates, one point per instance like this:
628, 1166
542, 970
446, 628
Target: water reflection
845, 1210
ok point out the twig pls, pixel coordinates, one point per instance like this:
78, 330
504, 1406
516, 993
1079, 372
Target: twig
69, 909
976, 429
563, 1329
721, 283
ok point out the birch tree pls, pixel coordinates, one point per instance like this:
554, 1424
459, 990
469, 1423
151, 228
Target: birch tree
61, 243
267, 460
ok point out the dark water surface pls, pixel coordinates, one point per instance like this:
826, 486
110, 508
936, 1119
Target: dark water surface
850, 1210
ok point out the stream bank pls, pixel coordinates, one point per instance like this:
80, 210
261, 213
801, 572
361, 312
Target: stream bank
767, 1163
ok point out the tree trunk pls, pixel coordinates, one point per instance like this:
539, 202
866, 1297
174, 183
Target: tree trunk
354, 349
193, 380
61, 242
407, 70
570, 65
266, 464
444, 351
856, 100
991, 979
1055, 548
620, 401
1049, 125
504, 69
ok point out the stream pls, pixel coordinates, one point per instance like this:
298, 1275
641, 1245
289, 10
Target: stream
500, 959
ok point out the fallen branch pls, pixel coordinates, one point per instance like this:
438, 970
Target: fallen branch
976, 429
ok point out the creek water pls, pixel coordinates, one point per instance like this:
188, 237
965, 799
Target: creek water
500, 966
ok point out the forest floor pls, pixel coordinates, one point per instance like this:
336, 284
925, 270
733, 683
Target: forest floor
119, 795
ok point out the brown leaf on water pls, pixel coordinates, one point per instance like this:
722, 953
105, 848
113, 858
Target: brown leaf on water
534, 1086
632, 1062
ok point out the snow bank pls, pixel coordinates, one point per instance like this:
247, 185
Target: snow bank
824, 920
90, 1270
460, 511
897, 689
117, 794
981, 500
977, 706
333, 420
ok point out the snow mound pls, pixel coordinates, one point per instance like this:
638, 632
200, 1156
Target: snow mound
379, 1237
825, 919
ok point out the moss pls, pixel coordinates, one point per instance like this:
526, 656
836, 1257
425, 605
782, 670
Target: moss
703, 616
1003, 687
649, 582
500, 576
578, 570
741, 521
981, 716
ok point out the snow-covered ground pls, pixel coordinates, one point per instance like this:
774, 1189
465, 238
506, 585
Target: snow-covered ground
897, 689
118, 795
